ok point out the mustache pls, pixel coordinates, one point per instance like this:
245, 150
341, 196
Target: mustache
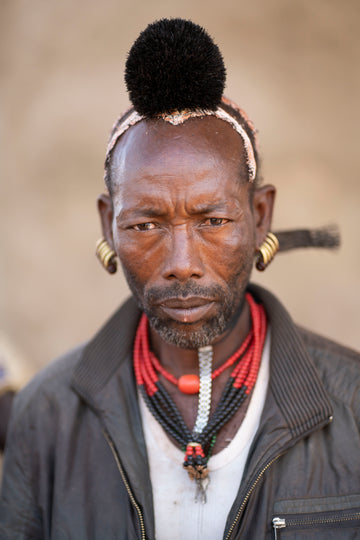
177, 290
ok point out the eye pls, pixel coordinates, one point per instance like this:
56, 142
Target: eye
148, 226
216, 222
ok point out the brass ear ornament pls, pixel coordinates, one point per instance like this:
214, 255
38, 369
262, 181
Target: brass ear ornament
267, 251
106, 256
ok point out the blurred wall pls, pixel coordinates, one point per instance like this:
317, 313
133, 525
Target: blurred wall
293, 66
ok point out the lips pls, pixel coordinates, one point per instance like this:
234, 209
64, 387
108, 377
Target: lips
187, 310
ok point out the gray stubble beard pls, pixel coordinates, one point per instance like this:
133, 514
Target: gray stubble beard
228, 312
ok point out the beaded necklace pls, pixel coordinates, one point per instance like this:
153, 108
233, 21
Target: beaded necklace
198, 445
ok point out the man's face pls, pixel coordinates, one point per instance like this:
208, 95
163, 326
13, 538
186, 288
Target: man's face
183, 226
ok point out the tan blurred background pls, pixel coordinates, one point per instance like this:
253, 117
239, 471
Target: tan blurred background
292, 65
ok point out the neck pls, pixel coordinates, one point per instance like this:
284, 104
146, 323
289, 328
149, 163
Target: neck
179, 361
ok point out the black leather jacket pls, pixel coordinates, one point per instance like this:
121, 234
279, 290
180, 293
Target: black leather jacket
76, 464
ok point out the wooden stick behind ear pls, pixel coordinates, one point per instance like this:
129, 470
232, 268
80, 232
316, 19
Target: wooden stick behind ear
323, 237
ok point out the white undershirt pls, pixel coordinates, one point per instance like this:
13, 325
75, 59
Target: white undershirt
177, 516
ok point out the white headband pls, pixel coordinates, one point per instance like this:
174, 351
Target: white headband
178, 118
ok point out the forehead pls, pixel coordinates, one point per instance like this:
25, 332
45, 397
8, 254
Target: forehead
204, 153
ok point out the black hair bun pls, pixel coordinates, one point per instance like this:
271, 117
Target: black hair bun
174, 65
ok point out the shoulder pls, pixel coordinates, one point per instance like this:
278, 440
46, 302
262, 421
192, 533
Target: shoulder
328, 353
338, 367
38, 415
54, 383
39, 401
53, 394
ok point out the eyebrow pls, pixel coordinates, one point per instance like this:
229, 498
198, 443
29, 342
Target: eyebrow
206, 208
153, 211
141, 212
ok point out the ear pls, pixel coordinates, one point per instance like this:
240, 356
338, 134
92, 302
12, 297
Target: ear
263, 204
105, 209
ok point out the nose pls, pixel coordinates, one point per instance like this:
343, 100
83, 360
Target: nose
183, 259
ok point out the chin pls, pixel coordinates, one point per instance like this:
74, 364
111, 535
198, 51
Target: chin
189, 336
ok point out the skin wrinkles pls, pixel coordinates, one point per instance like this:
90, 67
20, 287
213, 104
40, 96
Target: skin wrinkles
183, 226
151, 207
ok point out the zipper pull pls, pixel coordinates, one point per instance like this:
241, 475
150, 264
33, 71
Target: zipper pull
278, 523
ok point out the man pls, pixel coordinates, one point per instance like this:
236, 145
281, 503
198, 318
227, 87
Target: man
199, 409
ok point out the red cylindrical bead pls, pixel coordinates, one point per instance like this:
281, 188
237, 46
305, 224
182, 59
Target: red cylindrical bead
189, 384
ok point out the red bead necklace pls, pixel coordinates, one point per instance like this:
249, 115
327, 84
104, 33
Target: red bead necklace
147, 366
242, 379
189, 384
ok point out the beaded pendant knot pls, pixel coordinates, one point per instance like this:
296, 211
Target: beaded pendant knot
195, 461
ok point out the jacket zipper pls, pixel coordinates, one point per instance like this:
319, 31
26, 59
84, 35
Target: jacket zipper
255, 484
278, 523
249, 493
130, 493
281, 523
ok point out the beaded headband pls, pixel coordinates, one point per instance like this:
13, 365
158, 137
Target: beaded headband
177, 118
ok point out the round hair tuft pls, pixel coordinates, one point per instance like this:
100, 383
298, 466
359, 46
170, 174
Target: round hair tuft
174, 65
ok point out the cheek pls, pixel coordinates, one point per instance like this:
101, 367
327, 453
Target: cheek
138, 258
232, 251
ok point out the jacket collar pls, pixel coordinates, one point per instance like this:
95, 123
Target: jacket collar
106, 352
294, 380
